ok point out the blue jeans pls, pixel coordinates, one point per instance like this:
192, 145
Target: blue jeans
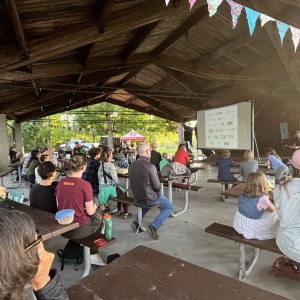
165, 206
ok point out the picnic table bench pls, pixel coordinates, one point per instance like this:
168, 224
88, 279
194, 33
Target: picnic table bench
223, 185
230, 233
172, 184
88, 244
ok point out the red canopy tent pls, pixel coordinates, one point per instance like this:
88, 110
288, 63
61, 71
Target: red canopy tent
131, 136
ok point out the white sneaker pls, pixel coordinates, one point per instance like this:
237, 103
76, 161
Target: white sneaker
96, 260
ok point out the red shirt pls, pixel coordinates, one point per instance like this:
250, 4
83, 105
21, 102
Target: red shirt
73, 192
182, 157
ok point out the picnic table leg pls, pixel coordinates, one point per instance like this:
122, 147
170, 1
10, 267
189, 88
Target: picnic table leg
223, 189
186, 199
162, 188
140, 220
87, 261
246, 269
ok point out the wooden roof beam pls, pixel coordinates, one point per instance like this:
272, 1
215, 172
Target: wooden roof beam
14, 14
138, 39
183, 81
149, 111
106, 8
87, 33
198, 15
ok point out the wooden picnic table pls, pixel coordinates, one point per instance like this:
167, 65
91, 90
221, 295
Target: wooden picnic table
144, 273
45, 222
235, 191
270, 172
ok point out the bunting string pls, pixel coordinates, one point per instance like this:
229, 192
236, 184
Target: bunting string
252, 17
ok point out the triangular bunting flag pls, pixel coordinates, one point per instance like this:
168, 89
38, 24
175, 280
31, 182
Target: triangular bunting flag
167, 2
282, 29
213, 6
264, 19
252, 17
236, 10
295, 36
192, 2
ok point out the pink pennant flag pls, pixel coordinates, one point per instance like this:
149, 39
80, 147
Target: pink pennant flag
236, 10
192, 2
295, 36
213, 6
167, 2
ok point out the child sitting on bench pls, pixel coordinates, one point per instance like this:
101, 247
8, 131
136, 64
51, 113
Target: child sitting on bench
256, 217
224, 164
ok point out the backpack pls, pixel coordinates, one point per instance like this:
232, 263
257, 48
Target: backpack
72, 254
112, 257
173, 169
283, 266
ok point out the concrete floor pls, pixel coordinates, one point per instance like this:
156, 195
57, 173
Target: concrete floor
184, 237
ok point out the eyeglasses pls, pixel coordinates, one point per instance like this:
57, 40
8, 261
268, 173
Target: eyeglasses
34, 243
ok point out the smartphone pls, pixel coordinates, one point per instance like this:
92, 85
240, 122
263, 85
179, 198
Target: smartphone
100, 242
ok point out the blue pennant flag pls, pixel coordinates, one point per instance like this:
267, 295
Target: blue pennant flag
252, 17
282, 29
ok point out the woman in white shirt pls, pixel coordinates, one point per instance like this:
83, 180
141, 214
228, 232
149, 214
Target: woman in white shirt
287, 202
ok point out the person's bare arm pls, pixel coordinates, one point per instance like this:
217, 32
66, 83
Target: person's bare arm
90, 207
271, 207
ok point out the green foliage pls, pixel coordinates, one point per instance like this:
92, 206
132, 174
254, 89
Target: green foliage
91, 122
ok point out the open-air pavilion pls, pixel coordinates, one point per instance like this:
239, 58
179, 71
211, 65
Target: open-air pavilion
167, 61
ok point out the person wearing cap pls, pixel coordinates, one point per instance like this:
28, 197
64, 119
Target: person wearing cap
287, 201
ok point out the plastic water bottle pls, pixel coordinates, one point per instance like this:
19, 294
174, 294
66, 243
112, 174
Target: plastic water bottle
107, 226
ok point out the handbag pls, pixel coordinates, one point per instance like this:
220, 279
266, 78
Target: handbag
284, 266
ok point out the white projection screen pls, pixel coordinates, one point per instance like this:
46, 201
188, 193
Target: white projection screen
228, 127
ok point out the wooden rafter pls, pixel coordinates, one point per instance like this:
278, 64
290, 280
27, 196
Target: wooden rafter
87, 33
137, 40
104, 13
194, 19
14, 15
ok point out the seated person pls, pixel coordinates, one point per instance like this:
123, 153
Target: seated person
155, 156
224, 164
256, 217
91, 173
248, 165
108, 183
28, 267
275, 162
32, 163
75, 193
44, 157
181, 156
146, 189
164, 161
42, 195
286, 198
118, 154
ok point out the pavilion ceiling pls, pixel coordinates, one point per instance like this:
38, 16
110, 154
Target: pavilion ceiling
166, 61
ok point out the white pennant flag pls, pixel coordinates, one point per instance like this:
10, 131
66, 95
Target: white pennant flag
167, 2
264, 19
295, 36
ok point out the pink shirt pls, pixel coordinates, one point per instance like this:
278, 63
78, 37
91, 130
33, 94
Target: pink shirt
263, 203
73, 192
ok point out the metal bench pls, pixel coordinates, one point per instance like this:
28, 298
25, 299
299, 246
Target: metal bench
228, 232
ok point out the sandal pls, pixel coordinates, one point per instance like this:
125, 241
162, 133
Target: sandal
127, 216
119, 213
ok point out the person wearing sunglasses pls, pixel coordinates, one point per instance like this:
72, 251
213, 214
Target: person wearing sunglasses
27, 268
